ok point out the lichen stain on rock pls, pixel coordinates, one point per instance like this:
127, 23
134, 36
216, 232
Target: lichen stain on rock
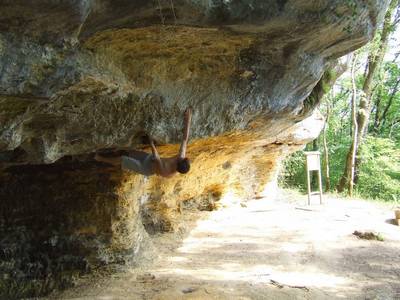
156, 55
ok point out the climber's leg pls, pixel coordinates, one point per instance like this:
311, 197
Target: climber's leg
115, 161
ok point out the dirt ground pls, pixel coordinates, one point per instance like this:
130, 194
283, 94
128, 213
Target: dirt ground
267, 249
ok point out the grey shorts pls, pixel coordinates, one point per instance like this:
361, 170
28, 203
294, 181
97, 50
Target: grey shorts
139, 162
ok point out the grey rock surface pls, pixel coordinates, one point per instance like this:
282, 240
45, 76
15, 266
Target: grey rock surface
78, 76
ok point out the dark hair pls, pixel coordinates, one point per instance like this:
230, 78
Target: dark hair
183, 165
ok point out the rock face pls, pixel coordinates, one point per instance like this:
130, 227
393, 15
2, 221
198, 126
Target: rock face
80, 76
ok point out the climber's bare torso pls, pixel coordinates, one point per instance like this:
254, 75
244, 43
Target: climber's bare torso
149, 164
166, 167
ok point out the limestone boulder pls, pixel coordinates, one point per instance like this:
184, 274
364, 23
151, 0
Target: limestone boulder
84, 76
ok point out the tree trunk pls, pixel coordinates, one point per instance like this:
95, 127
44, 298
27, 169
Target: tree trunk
354, 145
326, 153
362, 117
382, 119
377, 119
347, 178
314, 178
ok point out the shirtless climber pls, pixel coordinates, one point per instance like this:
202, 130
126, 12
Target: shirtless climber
148, 164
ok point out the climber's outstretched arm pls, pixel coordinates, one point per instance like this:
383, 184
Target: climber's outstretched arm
154, 150
186, 129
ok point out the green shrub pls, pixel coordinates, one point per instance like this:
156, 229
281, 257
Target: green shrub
293, 174
378, 177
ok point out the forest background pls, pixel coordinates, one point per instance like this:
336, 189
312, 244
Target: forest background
360, 98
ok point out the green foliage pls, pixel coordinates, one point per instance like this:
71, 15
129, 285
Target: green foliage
293, 174
385, 117
378, 161
379, 176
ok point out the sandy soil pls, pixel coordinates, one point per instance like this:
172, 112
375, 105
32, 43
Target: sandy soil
264, 249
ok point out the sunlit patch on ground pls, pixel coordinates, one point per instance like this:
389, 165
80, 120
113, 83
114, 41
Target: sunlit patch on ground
289, 243
277, 249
